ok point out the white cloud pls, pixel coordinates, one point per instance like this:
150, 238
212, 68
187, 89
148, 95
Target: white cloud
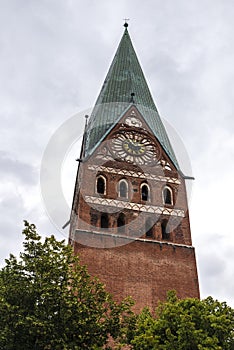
54, 57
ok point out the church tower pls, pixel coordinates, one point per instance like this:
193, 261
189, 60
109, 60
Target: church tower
130, 221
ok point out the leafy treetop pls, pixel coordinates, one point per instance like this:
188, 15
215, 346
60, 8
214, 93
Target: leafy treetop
49, 301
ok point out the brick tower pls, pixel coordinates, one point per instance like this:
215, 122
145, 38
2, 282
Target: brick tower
130, 221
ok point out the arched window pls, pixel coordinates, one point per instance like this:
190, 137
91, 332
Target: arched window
123, 188
101, 185
167, 195
121, 223
145, 192
165, 233
148, 228
104, 221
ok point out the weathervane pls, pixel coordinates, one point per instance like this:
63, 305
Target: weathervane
126, 22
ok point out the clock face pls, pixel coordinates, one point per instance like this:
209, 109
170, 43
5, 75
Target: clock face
134, 147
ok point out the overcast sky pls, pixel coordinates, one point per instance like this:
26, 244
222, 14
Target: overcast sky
54, 58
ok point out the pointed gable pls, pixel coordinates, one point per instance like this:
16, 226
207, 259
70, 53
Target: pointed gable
124, 85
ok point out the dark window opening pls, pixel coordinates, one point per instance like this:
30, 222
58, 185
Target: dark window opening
100, 185
93, 219
148, 228
121, 223
144, 193
165, 233
167, 196
104, 221
123, 189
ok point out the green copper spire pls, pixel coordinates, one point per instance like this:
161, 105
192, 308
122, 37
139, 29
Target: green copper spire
124, 85
125, 77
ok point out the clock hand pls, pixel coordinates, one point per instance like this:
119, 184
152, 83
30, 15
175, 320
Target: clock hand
134, 146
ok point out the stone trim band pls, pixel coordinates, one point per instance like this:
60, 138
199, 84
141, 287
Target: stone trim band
138, 174
135, 206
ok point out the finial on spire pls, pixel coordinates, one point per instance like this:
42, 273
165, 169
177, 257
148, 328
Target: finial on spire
86, 120
126, 22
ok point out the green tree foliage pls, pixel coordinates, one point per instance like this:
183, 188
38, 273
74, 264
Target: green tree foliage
188, 324
48, 300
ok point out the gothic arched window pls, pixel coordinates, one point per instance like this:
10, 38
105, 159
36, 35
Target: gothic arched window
123, 188
145, 192
104, 221
121, 223
167, 195
101, 184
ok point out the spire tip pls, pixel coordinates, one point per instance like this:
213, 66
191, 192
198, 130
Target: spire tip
126, 22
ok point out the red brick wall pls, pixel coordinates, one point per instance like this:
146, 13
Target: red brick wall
143, 270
